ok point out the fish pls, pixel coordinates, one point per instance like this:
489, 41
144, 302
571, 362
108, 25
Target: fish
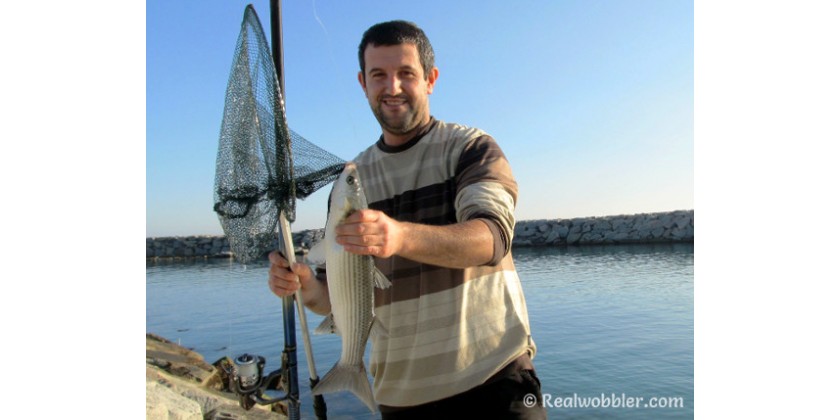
351, 280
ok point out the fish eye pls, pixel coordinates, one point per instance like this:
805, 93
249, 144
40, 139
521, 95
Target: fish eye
350, 180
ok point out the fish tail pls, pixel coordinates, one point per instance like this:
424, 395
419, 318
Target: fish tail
347, 377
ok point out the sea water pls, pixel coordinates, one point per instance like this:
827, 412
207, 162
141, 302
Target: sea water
614, 326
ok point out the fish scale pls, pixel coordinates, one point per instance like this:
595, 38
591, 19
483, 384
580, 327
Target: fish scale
358, 313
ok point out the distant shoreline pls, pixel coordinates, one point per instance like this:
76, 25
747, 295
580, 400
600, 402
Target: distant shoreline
663, 227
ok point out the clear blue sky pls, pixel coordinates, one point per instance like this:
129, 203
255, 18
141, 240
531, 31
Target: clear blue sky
592, 101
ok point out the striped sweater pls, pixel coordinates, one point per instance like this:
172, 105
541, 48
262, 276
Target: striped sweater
449, 330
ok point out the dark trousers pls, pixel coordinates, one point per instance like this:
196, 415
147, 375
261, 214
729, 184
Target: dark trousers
501, 397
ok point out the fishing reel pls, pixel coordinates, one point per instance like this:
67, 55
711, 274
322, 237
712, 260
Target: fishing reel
247, 381
247, 373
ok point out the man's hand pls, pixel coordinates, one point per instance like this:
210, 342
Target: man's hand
284, 280
371, 232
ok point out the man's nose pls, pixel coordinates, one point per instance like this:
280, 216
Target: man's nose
393, 86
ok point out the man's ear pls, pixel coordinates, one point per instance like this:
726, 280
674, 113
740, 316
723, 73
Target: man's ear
430, 81
361, 77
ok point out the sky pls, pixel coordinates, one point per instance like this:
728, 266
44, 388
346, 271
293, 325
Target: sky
591, 101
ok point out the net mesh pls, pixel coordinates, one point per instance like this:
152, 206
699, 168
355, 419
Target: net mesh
261, 166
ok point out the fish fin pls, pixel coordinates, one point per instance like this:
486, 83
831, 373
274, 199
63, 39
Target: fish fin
353, 378
380, 280
318, 253
327, 326
377, 328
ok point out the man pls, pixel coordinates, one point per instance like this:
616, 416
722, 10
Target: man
440, 225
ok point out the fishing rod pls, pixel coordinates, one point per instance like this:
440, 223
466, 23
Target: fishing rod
290, 351
290, 340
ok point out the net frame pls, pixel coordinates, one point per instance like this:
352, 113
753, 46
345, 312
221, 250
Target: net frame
262, 166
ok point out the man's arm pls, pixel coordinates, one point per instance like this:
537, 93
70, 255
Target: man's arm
460, 245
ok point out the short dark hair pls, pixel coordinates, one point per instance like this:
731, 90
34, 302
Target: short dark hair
397, 32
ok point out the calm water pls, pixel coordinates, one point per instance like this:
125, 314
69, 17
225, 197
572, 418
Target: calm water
612, 321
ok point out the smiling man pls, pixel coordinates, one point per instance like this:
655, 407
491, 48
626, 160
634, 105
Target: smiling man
440, 224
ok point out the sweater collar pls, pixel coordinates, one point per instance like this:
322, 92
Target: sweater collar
409, 144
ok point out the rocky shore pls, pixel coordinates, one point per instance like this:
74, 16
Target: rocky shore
664, 227
181, 385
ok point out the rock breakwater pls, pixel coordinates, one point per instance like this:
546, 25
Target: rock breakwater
675, 226
663, 227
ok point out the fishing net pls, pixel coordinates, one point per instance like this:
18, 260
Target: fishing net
262, 166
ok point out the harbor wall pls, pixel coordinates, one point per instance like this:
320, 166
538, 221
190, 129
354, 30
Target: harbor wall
663, 227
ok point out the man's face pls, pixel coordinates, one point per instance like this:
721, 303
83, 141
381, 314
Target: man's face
396, 88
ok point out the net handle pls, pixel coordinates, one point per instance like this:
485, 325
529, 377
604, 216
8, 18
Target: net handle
286, 232
285, 228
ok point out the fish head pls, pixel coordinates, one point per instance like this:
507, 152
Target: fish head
348, 195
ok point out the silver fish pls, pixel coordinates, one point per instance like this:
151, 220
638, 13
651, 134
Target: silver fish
351, 279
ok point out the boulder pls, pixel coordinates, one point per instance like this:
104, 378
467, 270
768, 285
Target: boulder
602, 225
555, 233
164, 403
683, 221
523, 230
180, 361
